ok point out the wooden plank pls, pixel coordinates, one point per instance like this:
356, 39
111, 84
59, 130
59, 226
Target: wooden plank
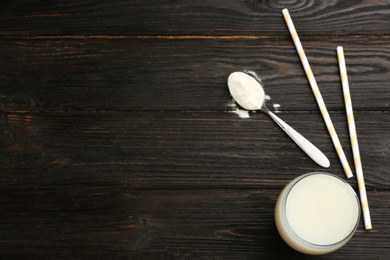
115, 221
89, 74
179, 149
119, 139
192, 18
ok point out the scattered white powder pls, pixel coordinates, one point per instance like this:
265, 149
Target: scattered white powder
240, 112
253, 74
276, 107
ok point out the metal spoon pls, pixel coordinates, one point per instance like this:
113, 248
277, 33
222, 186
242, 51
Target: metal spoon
248, 93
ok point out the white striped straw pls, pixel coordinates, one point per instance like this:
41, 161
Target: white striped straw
317, 94
353, 136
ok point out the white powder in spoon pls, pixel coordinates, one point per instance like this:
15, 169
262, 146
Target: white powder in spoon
246, 90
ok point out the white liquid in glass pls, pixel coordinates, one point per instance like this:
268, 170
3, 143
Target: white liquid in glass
317, 213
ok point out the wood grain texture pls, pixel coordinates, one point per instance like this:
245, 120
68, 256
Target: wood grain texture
118, 139
180, 149
127, 74
113, 221
216, 17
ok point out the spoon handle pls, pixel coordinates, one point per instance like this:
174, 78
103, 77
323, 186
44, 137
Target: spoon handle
312, 151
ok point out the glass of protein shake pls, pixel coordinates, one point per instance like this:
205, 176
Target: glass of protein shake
317, 213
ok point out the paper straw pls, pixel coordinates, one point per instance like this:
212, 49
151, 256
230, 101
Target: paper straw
353, 136
317, 94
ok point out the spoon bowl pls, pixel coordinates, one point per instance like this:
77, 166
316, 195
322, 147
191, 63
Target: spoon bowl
247, 91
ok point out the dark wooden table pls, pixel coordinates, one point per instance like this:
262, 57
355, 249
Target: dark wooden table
119, 139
